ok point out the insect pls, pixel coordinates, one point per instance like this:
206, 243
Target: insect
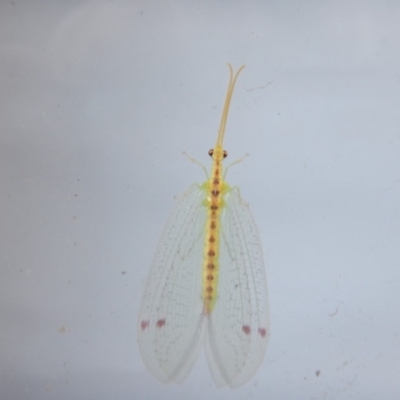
207, 283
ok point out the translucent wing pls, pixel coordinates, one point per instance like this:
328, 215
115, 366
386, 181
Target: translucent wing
238, 327
171, 315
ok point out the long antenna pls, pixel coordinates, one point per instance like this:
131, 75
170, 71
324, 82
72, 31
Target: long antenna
231, 86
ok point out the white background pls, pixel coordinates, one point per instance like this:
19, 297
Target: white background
98, 99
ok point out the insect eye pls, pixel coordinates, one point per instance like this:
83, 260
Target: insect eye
211, 152
225, 154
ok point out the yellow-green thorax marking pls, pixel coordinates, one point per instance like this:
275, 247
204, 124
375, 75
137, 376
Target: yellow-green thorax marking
215, 188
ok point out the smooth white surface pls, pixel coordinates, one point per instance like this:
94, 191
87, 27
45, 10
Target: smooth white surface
98, 100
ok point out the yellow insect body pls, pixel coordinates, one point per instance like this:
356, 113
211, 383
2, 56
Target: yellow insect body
207, 280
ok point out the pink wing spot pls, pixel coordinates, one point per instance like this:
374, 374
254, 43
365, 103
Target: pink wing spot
262, 332
144, 325
246, 329
160, 323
